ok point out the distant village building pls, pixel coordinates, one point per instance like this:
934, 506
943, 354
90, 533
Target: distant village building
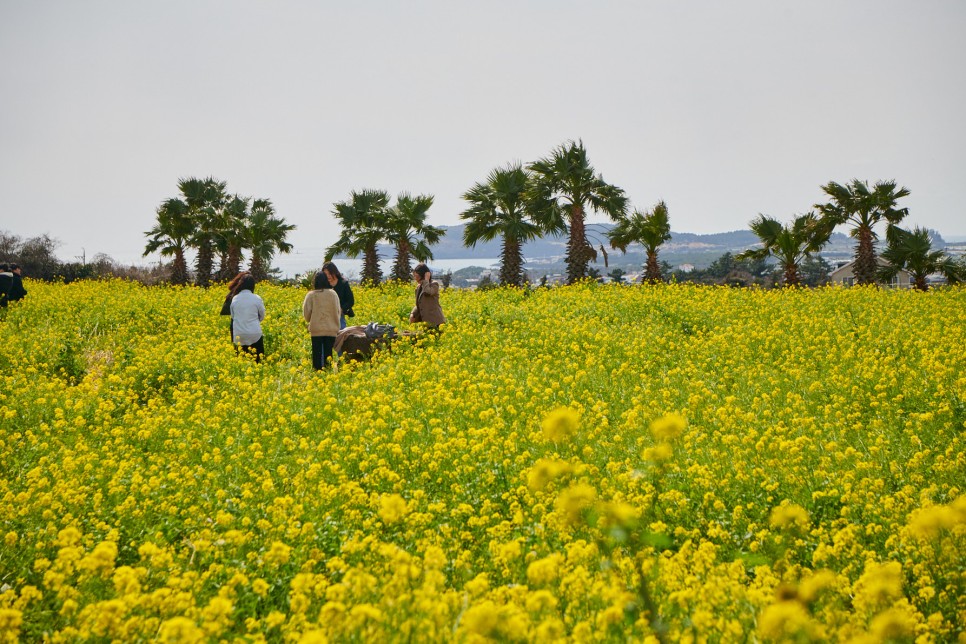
686, 268
845, 276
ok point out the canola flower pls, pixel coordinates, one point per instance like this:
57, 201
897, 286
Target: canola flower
560, 424
799, 452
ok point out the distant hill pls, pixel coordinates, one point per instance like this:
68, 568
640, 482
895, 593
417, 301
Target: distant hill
683, 248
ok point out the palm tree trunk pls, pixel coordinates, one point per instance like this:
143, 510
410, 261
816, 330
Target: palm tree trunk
791, 277
257, 267
233, 264
370, 266
402, 268
865, 266
577, 256
179, 271
229, 264
511, 263
222, 267
204, 263
920, 283
652, 272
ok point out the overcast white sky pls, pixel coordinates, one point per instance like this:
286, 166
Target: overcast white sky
723, 109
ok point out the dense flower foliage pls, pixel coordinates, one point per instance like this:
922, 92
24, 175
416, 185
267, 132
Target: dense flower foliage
660, 463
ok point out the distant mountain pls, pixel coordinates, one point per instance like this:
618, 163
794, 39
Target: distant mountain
683, 248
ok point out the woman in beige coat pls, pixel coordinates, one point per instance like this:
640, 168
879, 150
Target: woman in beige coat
321, 311
427, 307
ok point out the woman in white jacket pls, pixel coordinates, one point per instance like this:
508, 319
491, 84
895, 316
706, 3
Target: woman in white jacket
247, 312
321, 311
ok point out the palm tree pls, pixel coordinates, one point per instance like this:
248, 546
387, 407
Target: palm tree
790, 245
264, 236
912, 252
650, 229
232, 228
617, 275
407, 230
171, 235
863, 207
205, 199
566, 181
363, 222
497, 209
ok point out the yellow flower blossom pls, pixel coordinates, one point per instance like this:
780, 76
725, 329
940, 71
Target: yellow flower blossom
788, 621
668, 427
574, 500
278, 554
929, 522
546, 470
658, 453
544, 571
275, 619
126, 581
178, 630
478, 585
814, 585
101, 559
392, 508
789, 516
10, 622
560, 424
541, 600
481, 619
892, 625
67, 537
878, 585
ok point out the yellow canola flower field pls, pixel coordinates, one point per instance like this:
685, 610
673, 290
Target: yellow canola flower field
588, 463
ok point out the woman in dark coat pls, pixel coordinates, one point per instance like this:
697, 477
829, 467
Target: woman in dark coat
342, 289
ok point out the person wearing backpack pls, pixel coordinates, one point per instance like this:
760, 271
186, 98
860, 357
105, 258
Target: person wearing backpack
321, 311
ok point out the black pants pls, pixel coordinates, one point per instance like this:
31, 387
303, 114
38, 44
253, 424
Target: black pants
321, 350
258, 348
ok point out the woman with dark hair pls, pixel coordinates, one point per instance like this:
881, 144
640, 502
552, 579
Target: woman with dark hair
321, 312
226, 307
427, 307
247, 313
342, 289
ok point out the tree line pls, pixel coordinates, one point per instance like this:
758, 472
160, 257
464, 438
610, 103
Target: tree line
206, 218
862, 207
516, 203
520, 202
38, 259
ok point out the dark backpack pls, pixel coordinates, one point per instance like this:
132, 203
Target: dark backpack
374, 330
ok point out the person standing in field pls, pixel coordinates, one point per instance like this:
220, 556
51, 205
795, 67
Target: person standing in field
226, 306
321, 311
427, 309
342, 289
247, 313
6, 284
17, 290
